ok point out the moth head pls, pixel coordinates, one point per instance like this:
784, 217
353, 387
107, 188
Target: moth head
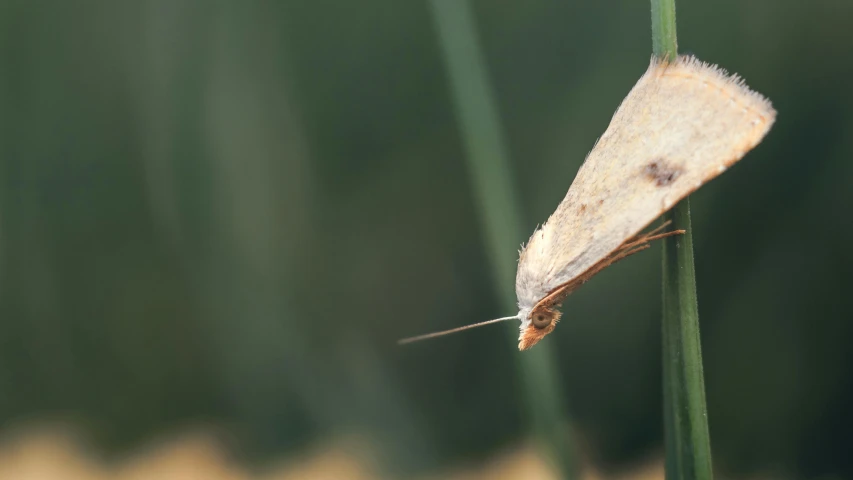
535, 325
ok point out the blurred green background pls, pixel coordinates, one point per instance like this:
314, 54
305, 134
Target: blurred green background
226, 212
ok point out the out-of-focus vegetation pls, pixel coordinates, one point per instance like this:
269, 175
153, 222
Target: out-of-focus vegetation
57, 454
226, 212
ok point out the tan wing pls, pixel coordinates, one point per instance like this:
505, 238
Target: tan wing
681, 125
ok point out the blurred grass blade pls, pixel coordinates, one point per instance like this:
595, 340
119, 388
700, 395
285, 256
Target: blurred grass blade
496, 198
688, 445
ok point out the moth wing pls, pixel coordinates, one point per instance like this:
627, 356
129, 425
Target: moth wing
681, 125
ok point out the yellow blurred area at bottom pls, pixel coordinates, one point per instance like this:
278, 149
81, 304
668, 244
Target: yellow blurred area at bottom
58, 454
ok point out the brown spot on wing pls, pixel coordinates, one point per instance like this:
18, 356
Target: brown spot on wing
661, 172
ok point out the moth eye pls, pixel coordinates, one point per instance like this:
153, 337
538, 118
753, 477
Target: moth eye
540, 320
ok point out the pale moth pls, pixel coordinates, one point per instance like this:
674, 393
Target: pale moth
683, 123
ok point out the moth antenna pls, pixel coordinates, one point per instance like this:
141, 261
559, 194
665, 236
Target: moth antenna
418, 338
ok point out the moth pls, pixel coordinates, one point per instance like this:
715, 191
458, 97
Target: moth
682, 124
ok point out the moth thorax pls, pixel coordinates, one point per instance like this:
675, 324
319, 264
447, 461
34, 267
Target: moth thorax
543, 317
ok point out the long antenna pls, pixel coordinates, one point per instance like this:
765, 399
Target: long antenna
453, 330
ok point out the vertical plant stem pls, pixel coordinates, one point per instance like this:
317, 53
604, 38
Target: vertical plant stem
688, 446
664, 42
490, 173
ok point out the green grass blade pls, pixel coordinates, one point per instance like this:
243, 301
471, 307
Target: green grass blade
490, 172
664, 42
688, 445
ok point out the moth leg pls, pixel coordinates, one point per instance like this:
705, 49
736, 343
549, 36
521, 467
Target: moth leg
625, 253
634, 245
671, 233
629, 248
650, 236
659, 228
656, 230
